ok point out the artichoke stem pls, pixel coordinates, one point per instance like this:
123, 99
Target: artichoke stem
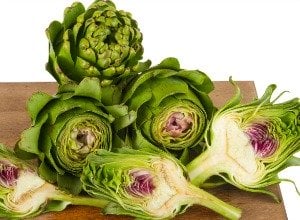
209, 201
79, 200
203, 167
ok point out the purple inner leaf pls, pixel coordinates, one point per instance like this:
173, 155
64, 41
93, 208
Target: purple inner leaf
8, 175
142, 184
263, 143
178, 123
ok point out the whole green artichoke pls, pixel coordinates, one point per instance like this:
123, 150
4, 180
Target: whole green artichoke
100, 42
67, 127
172, 105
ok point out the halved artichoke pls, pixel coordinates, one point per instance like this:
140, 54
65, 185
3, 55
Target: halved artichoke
145, 185
249, 144
23, 194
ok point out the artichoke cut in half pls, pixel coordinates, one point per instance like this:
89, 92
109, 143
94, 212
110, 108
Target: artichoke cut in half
67, 127
99, 41
249, 144
173, 107
23, 194
145, 185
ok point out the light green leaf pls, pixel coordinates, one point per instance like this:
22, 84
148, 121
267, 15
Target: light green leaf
89, 87
36, 103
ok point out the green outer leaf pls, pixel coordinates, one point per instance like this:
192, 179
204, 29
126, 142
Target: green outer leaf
29, 140
198, 79
64, 57
53, 31
293, 161
71, 14
124, 121
111, 95
69, 183
89, 88
36, 103
169, 63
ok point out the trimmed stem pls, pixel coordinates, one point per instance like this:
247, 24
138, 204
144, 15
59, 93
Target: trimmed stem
203, 167
207, 200
79, 200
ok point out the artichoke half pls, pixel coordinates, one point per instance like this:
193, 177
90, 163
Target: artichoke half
145, 185
100, 41
67, 127
172, 105
249, 144
23, 194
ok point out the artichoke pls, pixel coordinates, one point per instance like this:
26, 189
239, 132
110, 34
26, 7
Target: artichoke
173, 107
24, 194
67, 127
100, 42
145, 185
249, 144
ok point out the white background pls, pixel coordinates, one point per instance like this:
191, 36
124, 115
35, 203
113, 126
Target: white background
255, 40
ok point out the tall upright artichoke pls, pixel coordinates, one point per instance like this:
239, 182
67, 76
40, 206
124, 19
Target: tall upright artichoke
100, 42
172, 105
67, 127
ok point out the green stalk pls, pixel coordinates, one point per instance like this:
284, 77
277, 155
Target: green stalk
79, 200
203, 167
207, 200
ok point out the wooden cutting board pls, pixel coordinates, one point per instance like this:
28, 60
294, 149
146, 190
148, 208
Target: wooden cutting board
14, 119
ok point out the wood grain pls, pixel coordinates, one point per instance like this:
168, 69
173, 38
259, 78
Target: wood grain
14, 119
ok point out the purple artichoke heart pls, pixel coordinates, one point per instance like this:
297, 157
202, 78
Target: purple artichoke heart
8, 174
178, 123
263, 143
142, 184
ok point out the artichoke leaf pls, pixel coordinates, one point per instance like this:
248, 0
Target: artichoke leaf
89, 88
36, 103
71, 14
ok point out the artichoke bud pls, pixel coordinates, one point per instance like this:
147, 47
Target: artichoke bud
88, 44
70, 125
173, 106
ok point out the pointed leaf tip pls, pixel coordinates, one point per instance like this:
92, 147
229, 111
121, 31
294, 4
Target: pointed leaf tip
71, 14
89, 87
36, 103
170, 63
